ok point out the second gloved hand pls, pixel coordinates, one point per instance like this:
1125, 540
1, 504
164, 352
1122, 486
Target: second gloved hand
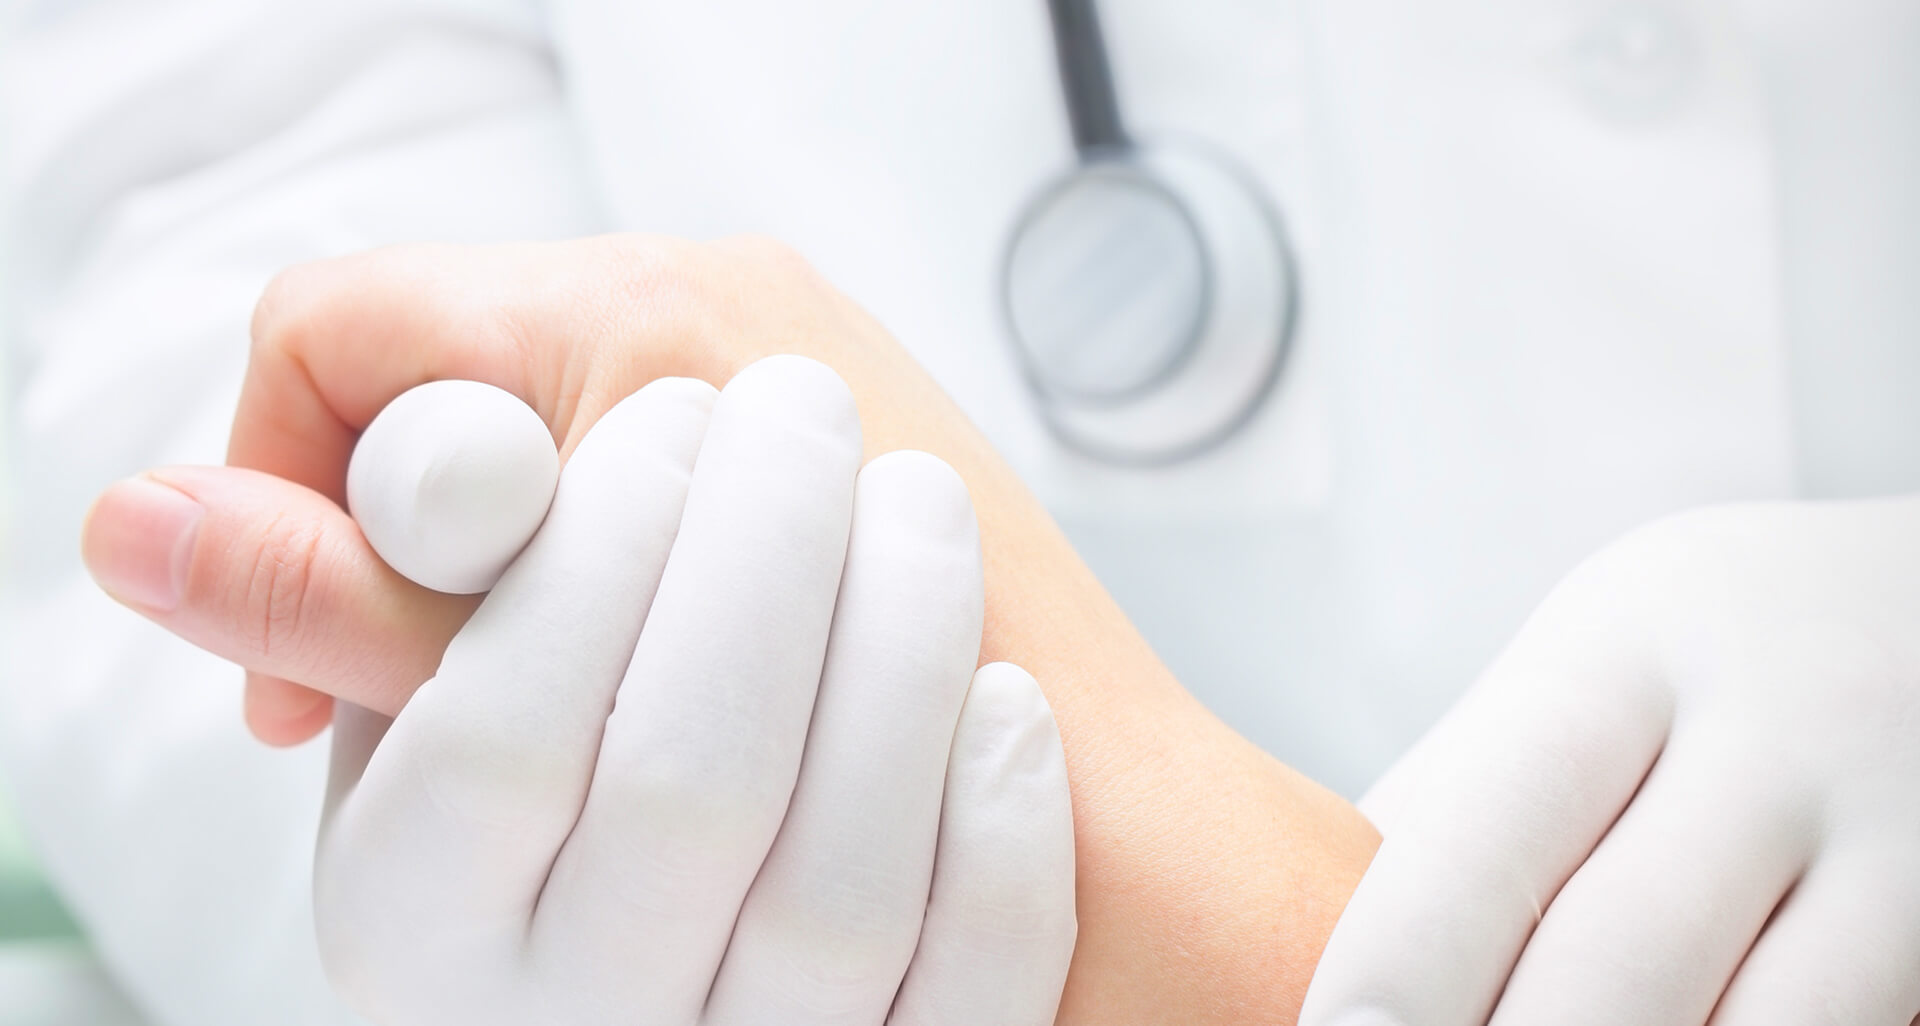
1688, 792
713, 750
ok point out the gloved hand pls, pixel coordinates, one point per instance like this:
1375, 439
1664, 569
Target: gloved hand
1688, 792
707, 752
1209, 874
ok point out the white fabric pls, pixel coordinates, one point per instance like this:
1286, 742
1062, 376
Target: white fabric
1566, 266
731, 814
156, 183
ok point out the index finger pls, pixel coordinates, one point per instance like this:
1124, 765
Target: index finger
335, 341
1515, 791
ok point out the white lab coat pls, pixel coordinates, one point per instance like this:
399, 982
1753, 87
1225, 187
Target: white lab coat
1567, 266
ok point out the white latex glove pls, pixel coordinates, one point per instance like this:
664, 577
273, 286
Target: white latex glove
1688, 792
708, 753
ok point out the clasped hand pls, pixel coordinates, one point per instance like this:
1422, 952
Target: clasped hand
713, 750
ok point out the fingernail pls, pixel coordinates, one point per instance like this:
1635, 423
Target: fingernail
138, 540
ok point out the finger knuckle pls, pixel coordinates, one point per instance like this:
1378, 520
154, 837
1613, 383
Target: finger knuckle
851, 927
659, 290
277, 310
476, 766
299, 296
651, 268
778, 268
704, 308
1017, 887
1034, 925
279, 582
868, 908
770, 254
692, 814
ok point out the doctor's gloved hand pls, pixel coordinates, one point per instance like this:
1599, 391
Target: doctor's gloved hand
1209, 874
712, 750
1688, 792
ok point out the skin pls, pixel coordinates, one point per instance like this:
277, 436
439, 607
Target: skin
659, 850
1209, 874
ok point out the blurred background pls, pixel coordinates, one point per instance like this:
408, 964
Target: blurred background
49, 975
1566, 266
29, 911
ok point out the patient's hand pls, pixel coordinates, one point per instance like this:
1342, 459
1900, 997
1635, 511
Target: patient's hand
686, 763
1208, 874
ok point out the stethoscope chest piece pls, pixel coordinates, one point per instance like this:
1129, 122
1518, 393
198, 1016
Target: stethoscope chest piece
1150, 296
1150, 292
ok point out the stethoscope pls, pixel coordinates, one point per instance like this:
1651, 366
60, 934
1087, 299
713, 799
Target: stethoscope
1150, 291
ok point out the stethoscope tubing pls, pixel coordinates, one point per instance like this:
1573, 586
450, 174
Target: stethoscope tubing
1102, 143
1046, 397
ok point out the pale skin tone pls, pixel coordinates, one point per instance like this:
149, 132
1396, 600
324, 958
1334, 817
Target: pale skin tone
1209, 874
